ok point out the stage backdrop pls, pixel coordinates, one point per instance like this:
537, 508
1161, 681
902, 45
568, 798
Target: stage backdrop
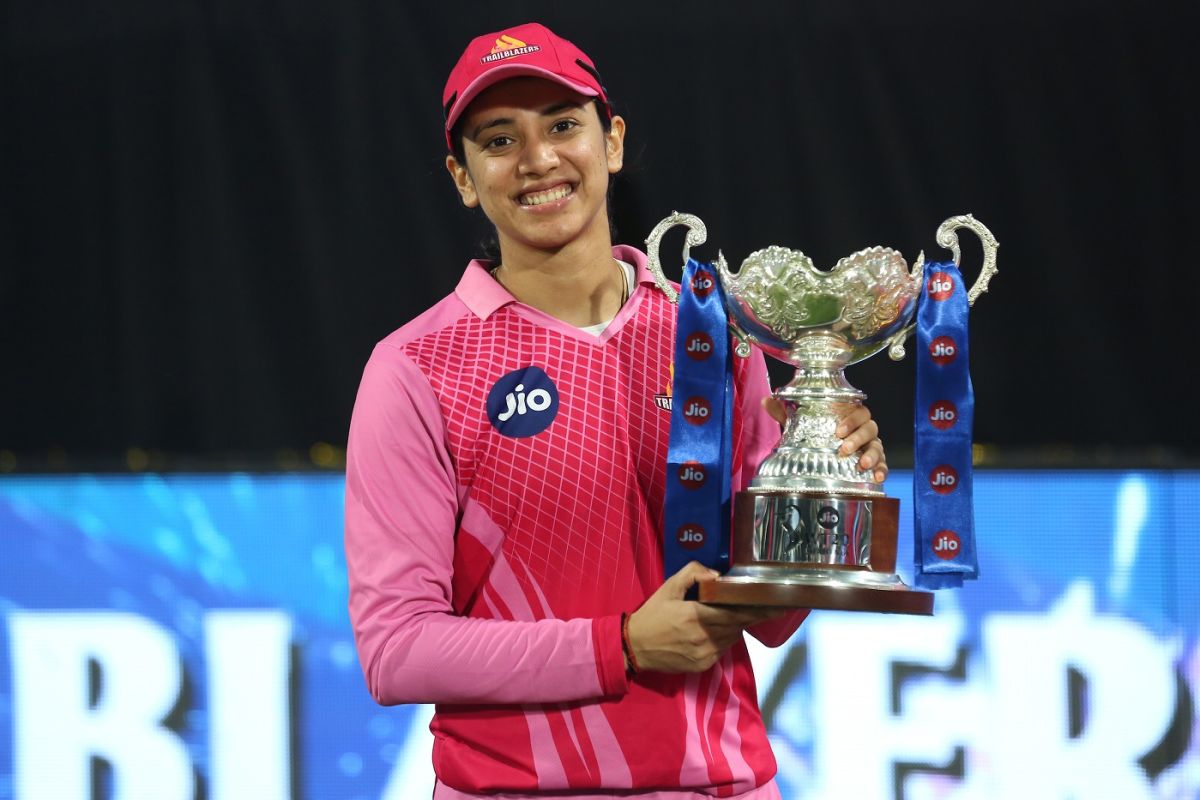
185, 638
210, 211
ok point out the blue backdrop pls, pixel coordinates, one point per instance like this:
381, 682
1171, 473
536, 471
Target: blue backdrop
186, 637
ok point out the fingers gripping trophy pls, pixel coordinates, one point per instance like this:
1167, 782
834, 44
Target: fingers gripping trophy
813, 530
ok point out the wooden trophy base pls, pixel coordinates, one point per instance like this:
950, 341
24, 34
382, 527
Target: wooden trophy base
795, 550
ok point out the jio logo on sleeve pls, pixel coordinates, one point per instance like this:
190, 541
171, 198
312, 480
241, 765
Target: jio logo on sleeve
523, 403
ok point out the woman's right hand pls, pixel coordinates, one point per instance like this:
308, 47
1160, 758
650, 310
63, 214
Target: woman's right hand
670, 634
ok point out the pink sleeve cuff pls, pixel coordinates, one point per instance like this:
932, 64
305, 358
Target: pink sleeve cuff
610, 658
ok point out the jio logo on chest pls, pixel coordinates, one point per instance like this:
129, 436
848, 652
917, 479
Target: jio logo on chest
940, 286
523, 403
943, 350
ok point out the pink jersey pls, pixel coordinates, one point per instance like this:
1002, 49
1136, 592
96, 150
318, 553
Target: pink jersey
504, 501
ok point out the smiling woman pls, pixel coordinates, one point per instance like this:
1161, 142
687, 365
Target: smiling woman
505, 481
537, 157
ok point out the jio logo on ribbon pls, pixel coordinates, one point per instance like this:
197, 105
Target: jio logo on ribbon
943, 479
946, 544
703, 284
697, 410
698, 346
690, 536
940, 286
523, 403
943, 350
691, 474
943, 414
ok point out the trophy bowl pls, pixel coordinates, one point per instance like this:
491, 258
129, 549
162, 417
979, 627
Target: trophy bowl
779, 300
812, 530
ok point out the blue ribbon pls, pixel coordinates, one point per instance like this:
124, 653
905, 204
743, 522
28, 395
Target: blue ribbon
942, 486
699, 454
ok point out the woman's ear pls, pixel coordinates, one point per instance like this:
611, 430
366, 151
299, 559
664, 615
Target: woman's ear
614, 145
462, 182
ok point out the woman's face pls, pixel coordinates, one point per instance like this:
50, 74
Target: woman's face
538, 161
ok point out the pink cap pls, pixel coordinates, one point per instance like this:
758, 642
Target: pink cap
525, 50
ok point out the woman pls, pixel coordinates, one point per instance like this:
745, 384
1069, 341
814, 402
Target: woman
505, 481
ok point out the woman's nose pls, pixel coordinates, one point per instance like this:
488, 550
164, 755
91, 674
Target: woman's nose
538, 156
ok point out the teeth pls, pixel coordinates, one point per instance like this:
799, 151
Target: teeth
548, 196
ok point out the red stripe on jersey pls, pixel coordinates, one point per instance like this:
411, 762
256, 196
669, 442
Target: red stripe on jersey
472, 563
719, 770
584, 739
569, 753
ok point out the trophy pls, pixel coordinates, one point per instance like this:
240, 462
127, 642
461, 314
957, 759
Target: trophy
812, 530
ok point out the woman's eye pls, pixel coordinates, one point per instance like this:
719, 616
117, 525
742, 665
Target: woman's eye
497, 142
564, 125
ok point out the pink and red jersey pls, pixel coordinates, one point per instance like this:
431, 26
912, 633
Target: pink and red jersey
504, 500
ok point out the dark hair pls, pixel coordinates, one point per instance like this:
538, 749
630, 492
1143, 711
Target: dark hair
489, 245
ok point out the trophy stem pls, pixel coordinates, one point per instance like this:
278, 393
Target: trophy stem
807, 458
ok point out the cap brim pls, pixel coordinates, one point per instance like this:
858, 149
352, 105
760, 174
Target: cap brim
497, 74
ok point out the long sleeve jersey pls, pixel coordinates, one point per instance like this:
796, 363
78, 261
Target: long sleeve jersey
504, 505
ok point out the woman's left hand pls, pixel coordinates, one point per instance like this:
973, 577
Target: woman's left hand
856, 430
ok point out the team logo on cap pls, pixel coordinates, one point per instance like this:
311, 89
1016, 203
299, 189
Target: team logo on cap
523, 403
507, 47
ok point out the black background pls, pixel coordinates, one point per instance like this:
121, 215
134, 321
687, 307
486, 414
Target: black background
212, 210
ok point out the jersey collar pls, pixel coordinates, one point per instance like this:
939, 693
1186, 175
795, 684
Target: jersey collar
483, 294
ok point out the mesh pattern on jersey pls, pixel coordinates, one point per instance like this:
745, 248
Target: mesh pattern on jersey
581, 502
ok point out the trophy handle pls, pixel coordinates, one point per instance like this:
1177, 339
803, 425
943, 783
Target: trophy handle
696, 235
947, 237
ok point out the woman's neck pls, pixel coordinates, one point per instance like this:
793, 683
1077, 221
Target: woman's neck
580, 284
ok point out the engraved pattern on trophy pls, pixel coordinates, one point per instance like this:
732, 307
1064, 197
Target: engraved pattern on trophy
781, 300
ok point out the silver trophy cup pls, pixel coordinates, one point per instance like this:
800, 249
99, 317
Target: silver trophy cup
813, 530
